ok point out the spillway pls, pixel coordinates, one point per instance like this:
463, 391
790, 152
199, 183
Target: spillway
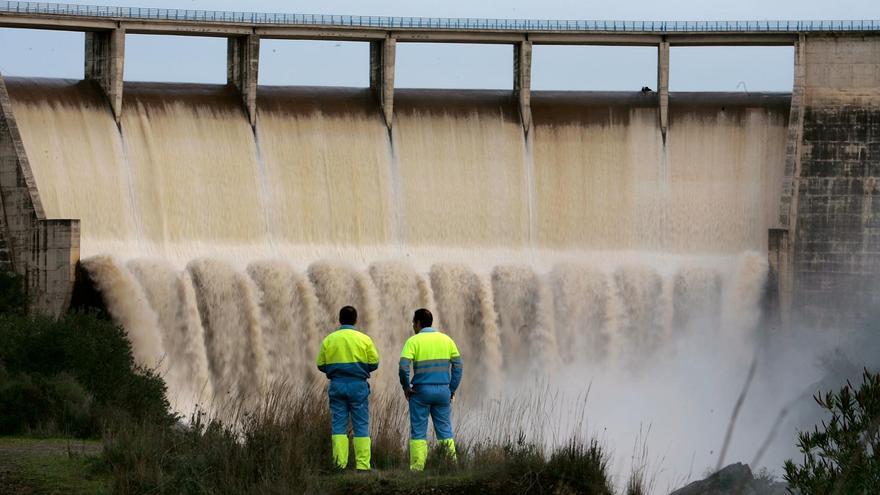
225, 250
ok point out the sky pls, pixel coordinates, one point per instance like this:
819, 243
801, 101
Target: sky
287, 62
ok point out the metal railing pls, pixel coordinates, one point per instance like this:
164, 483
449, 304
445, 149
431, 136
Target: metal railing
438, 23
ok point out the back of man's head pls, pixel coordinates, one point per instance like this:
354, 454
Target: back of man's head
348, 315
423, 317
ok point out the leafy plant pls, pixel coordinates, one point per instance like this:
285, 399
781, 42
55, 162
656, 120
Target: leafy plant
72, 376
840, 454
13, 299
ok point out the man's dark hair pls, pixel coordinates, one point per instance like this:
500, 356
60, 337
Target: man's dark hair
348, 315
423, 317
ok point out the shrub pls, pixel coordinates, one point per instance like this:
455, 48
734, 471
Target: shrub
581, 467
841, 455
58, 372
13, 299
40, 405
269, 450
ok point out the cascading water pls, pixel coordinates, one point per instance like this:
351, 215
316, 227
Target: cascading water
226, 258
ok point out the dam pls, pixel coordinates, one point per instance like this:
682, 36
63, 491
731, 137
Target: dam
223, 225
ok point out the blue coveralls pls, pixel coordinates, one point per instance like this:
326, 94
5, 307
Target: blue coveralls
348, 357
437, 372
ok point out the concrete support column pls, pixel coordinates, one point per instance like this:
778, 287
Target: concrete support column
781, 263
382, 55
788, 200
242, 69
778, 298
522, 81
663, 85
104, 64
376, 67
52, 272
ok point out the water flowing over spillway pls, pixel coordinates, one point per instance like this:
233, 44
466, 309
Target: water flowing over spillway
226, 251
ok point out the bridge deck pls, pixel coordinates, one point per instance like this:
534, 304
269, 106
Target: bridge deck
60, 16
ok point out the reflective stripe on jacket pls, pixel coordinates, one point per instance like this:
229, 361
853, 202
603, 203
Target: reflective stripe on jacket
434, 358
347, 353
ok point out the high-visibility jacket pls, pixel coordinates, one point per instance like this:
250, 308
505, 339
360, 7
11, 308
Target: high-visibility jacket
434, 358
347, 354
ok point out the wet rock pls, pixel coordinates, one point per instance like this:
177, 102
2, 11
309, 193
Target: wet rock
735, 479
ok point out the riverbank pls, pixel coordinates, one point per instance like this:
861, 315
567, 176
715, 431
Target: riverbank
52, 466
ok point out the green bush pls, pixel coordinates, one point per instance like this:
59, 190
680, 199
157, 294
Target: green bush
841, 455
269, 450
72, 375
581, 467
13, 299
44, 405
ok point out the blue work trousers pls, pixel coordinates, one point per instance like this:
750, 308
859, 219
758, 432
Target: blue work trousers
350, 398
436, 401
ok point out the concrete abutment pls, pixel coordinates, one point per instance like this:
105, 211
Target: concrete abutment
43, 251
834, 193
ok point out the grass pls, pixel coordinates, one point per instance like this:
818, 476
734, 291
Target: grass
484, 469
403, 482
283, 447
51, 466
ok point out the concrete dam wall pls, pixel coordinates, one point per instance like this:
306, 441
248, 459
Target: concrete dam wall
225, 250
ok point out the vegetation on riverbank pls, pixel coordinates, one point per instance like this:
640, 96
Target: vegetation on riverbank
72, 377
283, 447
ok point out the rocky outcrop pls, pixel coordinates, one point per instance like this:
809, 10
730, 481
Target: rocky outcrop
735, 479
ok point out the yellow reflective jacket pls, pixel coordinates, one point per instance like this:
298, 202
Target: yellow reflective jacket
434, 358
347, 353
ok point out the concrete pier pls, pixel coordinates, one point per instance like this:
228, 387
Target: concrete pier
104, 64
663, 85
522, 81
780, 255
778, 294
242, 70
382, 62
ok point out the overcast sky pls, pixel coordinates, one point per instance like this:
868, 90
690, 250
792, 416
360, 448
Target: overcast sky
59, 54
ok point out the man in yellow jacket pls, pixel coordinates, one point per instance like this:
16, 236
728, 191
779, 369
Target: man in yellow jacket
348, 357
437, 371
